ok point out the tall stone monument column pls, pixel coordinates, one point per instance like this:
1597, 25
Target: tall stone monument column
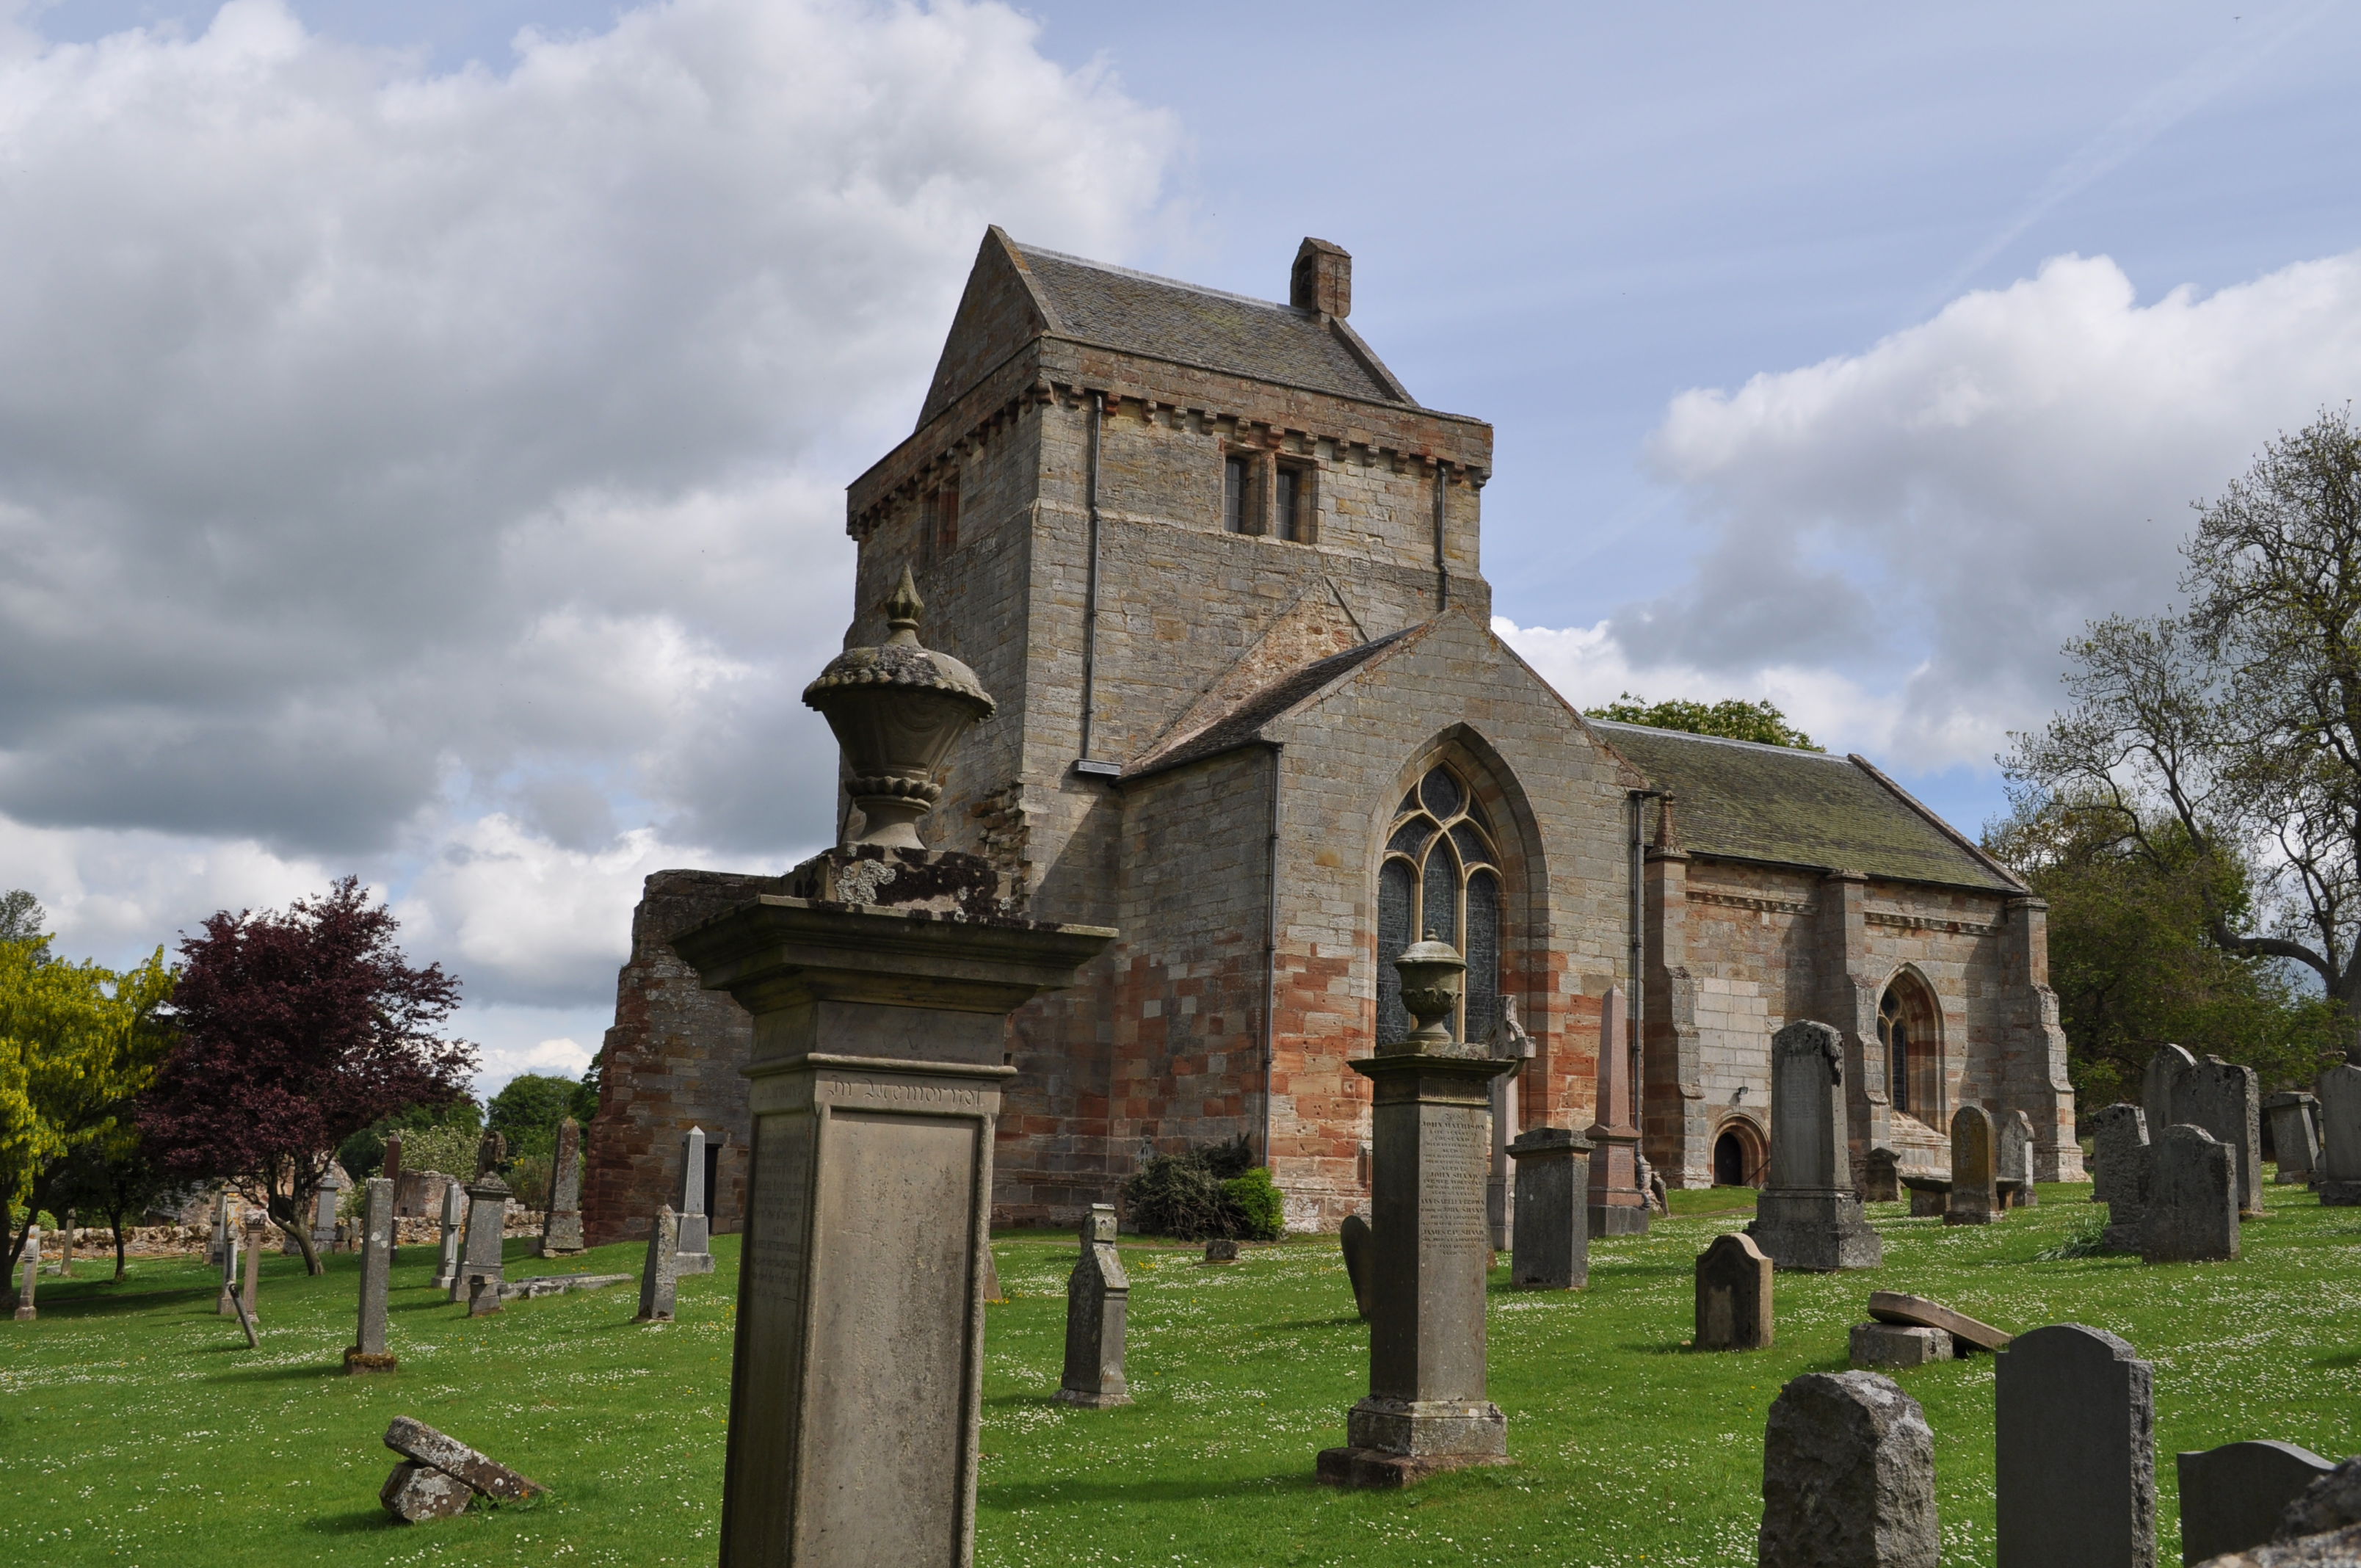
368, 1353
695, 1254
1809, 1216
561, 1226
488, 1214
1619, 1206
1427, 1409
881, 987
455, 1213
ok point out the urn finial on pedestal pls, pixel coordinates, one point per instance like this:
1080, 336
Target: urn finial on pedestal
1432, 975
898, 709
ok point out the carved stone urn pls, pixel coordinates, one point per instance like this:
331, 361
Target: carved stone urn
1431, 973
898, 709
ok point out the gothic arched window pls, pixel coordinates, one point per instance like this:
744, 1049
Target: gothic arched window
1906, 1028
1440, 874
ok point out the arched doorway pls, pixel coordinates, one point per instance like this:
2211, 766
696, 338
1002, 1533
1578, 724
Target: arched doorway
1909, 1027
1738, 1155
1441, 873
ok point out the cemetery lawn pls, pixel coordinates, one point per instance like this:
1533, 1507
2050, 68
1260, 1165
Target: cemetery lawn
137, 1429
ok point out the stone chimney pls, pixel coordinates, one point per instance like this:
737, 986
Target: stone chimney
1323, 280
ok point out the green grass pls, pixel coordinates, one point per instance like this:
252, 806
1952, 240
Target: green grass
137, 1429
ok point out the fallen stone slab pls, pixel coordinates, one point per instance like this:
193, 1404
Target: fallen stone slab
414, 1439
1895, 1307
1875, 1346
416, 1493
558, 1285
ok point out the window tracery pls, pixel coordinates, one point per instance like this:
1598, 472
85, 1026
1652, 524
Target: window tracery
1440, 874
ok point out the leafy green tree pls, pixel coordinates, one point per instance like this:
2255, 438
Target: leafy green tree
432, 1135
2131, 906
22, 917
1730, 719
527, 1111
112, 1174
2238, 720
78, 1043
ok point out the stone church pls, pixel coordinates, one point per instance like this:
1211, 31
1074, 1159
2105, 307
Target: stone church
1220, 571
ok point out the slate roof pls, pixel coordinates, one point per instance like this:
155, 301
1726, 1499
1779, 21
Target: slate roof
1170, 319
1244, 724
1744, 801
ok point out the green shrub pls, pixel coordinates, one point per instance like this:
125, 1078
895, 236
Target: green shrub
1206, 1193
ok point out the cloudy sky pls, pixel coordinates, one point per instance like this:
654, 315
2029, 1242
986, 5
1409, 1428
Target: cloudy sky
425, 421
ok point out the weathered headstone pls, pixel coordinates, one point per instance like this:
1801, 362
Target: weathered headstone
2226, 1101
696, 1227
1848, 1476
1552, 1249
2074, 1434
65, 1244
1809, 1216
2340, 1137
1509, 1043
487, 1294
1618, 1203
1733, 1296
2295, 1139
1098, 1292
219, 1242
257, 1232
1358, 1242
487, 1209
561, 1226
2193, 1200
1427, 1409
1221, 1251
416, 1493
2231, 1497
1975, 1168
2164, 1085
392, 1169
1882, 1177
368, 1353
660, 1280
1872, 1345
2332, 1502
2120, 1143
331, 1196
1967, 1333
455, 1214
491, 1153
2013, 1174
29, 1274
991, 1291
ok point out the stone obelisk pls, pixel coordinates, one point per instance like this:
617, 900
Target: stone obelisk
1427, 1409
881, 986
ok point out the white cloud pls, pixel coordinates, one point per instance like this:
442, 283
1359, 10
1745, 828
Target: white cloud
440, 476
1927, 521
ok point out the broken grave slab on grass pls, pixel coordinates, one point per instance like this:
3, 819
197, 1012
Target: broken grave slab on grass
1895, 1307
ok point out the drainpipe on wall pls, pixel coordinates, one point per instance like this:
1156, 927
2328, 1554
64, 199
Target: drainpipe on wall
1086, 763
1271, 951
1442, 566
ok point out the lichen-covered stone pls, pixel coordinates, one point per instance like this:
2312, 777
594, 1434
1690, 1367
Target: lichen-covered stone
1848, 1476
413, 1439
416, 1493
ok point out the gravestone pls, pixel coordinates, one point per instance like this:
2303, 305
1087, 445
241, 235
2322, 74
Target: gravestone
479, 1257
29, 1274
561, 1226
219, 1241
2193, 1200
1930, 1196
1848, 1476
1807, 1216
416, 1493
1975, 1168
2014, 1171
333, 1188
454, 1212
2121, 1147
2295, 1137
2340, 1137
225, 1305
2164, 1086
1359, 1243
1427, 1409
368, 1353
1221, 1251
660, 1280
421, 1445
1733, 1296
1882, 1177
392, 1169
66, 1244
2074, 1437
1097, 1293
485, 1295
2231, 1497
2332, 1502
695, 1228
1967, 1333
1553, 1210
257, 1230
1509, 1043
491, 1153
1619, 1203
2226, 1101
1872, 1345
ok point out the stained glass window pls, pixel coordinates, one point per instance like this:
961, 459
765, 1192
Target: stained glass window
1441, 876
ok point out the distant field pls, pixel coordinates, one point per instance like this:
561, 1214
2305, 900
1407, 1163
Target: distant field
136, 1428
